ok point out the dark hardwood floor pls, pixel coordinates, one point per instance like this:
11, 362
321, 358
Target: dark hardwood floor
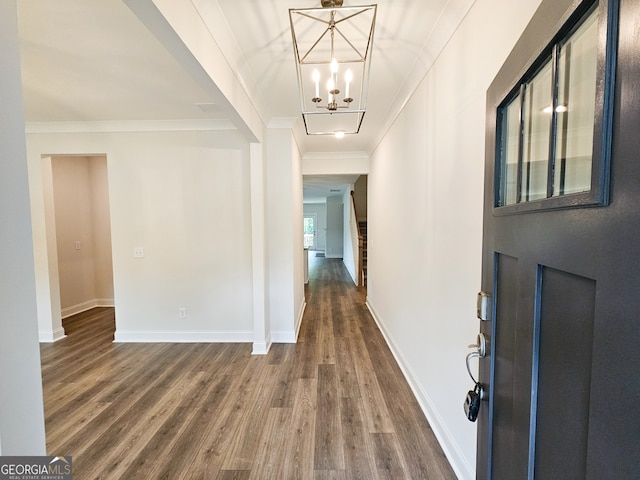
333, 406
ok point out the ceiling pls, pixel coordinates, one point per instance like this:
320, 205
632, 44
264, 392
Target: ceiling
318, 187
95, 61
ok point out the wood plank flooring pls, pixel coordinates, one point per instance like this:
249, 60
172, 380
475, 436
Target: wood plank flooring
333, 406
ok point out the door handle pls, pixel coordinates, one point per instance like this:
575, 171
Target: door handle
480, 345
475, 396
480, 352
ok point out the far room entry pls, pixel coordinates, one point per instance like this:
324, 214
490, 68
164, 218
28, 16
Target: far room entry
77, 195
310, 231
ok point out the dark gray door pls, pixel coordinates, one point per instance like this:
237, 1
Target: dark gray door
561, 259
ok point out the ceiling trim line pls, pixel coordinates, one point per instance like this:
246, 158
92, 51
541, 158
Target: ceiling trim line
130, 126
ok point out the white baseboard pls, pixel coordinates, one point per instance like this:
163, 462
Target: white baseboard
351, 274
261, 348
458, 461
290, 336
303, 307
51, 336
88, 305
283, 336
181, 336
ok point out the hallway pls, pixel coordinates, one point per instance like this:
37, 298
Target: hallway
333, 406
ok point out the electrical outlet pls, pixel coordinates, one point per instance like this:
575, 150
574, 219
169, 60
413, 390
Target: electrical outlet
182, 312
138, 252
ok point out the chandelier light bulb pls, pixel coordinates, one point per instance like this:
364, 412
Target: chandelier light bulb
334, 76
348, 76
316, 79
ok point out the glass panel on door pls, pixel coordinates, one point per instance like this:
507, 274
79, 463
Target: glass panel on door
576, 104
510, 143
536, 134
547, 126
310, 232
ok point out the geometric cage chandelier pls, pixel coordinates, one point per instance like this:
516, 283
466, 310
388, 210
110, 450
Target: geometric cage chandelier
332, 47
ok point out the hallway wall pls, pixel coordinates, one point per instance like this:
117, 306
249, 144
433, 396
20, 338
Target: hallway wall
184, 196
21, 409
425, 220
335, 227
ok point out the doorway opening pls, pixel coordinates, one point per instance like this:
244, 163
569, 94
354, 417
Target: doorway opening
77, 197
335, 215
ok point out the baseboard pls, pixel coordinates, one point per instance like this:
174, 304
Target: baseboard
283, 336
290, 336
458, 461
353, 275
181, 336
303, 307
88, 305
51, 336
261, 348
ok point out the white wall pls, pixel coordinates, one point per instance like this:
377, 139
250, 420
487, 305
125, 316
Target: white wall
259, 250
320, 209
425, 220
350, 241
101, 225
297, 238
335, 163
335, 229
21, 409
184, 196
81, 205
284, 231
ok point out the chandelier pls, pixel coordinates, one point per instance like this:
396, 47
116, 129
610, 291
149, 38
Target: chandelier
332, 47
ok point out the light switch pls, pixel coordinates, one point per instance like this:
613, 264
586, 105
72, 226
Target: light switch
78, 245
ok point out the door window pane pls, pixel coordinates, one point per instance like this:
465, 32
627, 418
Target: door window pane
510, 141
576, 109
536, 134
554, 118
309, 232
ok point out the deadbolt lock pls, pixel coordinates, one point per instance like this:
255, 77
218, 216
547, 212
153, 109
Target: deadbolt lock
484, 306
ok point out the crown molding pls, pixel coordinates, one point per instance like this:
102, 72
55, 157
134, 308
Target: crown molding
335, 155
109, 126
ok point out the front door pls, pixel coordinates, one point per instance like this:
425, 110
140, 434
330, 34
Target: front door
561, 249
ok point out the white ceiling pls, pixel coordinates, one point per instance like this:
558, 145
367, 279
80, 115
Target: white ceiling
318, 187
95, 60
